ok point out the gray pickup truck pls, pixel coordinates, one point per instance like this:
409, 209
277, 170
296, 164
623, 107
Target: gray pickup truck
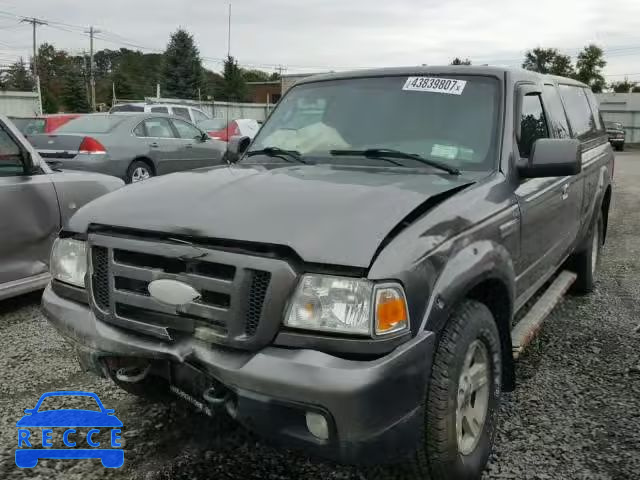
35, 202
347, 285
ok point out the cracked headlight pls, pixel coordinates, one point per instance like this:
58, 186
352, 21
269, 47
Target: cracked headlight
69, 261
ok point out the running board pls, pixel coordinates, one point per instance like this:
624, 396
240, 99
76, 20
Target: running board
527, 328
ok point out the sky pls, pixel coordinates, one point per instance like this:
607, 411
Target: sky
304, 36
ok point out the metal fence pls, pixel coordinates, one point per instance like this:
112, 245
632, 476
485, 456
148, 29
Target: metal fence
19, 104
623, 108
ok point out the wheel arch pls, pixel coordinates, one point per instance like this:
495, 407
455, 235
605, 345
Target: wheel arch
484, 272
146, 160
606, 203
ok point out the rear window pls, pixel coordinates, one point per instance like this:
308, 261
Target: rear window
126, 108
181, 112
91, 124
159, 110
29, 126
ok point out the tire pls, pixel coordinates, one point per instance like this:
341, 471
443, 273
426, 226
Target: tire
586, 262
441, 455
138, 171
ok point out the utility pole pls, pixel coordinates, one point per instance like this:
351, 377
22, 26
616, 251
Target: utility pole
92, 31
229, 33
34, 22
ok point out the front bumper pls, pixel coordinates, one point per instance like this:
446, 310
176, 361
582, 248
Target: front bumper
374, 408
616, 141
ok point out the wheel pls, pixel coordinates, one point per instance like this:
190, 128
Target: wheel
138, 171
461, 403
586, 262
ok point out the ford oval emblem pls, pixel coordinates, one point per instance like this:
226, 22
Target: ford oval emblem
172, 292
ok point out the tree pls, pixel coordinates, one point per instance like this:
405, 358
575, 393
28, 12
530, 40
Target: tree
623, 87
182, 66
635, 89
561, 66
255, 75
19, 78
233, 87
589, 67
459, 61
74, 92
548, 61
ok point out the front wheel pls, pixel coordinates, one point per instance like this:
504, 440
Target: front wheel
461, 403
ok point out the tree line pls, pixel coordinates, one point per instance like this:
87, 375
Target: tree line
587, 68
131, 75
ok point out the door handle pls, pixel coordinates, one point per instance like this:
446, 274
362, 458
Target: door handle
154, 145
565, 191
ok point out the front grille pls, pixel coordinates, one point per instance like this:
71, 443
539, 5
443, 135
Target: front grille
237, 305
100, 277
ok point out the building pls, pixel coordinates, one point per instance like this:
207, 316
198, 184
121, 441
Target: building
623, 108
265, 92
289, 81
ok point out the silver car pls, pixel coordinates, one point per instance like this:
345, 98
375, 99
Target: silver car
133, 147
36, 203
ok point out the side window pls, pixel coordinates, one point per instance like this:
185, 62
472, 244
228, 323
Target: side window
181, 113
10, 156
139, 130
578, 110
532, 124
186, 130
159, 110
555, 110
198, 116
158, 128
595, 109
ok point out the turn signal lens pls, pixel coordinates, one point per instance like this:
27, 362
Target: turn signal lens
391, 311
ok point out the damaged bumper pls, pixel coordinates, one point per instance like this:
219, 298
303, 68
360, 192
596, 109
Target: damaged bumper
373, 409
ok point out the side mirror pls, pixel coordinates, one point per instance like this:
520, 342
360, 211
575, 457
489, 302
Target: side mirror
204, 137
27, 161
553, 157
236, 147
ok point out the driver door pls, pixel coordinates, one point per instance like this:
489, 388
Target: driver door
29, 217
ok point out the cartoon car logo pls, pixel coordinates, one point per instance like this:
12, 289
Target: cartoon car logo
28, 453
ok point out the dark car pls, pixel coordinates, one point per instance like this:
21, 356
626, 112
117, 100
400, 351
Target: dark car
36, 202
616, 134
348, 286
133, 147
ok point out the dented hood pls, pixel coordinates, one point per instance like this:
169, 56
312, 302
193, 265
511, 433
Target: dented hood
327, 214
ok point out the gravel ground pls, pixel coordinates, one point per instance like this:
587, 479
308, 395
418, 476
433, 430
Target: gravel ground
574, 414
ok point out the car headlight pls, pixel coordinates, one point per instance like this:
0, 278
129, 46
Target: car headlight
69, 261
347, 305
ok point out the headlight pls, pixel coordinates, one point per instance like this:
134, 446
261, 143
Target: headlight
69, 261
347, 305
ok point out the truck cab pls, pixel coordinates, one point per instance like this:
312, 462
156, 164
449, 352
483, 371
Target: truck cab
347, 284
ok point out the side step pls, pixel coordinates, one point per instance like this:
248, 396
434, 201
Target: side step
527, 328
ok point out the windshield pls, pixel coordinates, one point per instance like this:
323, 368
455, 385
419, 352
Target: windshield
29, 126
91, 124
458, 128
127, 108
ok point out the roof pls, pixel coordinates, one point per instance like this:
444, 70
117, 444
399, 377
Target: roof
517, 74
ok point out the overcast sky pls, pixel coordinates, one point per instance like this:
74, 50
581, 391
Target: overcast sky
320, 35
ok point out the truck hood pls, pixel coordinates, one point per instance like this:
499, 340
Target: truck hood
327, 214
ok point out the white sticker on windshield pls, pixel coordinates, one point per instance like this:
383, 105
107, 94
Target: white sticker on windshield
444, 151
435, 85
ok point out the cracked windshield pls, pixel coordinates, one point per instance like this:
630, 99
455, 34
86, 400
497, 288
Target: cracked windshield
279, 240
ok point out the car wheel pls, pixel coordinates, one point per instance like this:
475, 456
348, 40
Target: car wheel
586, 262
138, 171
461, 403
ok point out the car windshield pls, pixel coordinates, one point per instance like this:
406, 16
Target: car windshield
91, 124
212, 124
417, 115
127, 108
80, 402
613, 125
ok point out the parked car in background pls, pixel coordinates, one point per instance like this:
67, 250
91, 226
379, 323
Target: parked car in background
616, 135
186, 112
220, 129
42, 123
36, 203
131, 147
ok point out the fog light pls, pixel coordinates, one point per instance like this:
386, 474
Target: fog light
317, 425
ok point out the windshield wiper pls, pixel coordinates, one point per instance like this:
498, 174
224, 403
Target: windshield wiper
288, 155
387, 153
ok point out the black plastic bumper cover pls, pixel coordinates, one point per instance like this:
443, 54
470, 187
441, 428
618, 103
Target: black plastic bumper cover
374, 407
